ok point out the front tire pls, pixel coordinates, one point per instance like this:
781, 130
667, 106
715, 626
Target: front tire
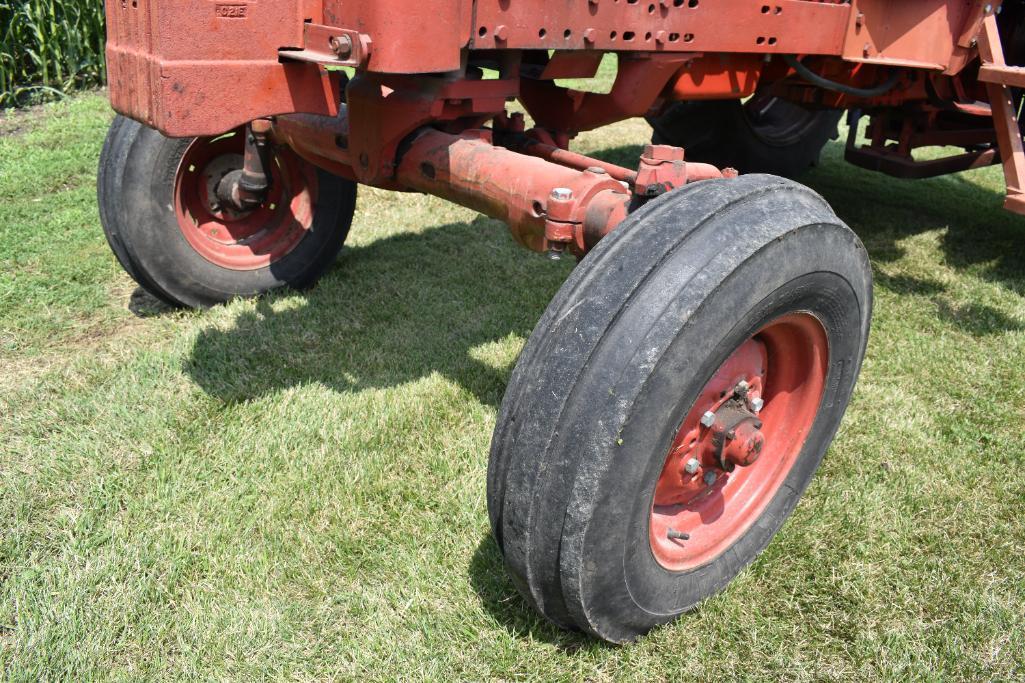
702, 287
166, 228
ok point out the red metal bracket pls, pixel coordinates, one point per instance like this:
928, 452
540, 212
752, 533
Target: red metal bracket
999, 79
383, 110
639, 82
330, 46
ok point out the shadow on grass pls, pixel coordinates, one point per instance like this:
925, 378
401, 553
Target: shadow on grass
142, 304
391, 312
979, 236
408, 306
503, 602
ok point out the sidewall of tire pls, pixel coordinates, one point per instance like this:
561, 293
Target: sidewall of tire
110, 174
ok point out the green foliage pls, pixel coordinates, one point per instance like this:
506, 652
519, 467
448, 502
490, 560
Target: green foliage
49, 47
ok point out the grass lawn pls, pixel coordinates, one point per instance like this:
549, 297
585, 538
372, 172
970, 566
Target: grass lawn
294, 487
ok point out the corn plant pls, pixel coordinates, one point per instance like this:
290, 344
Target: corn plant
48, 48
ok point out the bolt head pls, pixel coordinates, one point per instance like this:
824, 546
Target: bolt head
709, 478
562, 194
757, 404
742, 387
987, 9
691, 466
708, 419
501, 32
342, 46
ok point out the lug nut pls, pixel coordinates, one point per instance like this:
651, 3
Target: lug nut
708, 419
709, 478
562, 194
757, 404
691, 466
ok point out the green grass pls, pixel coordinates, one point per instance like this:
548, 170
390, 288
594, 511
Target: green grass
293, 488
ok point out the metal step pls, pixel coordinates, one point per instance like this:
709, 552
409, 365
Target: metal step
1013, 76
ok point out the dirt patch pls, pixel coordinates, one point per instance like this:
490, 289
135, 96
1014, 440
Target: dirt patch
20, 120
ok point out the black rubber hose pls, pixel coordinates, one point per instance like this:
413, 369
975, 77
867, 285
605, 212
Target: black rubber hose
812, 77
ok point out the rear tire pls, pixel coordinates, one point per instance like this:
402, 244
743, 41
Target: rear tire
762, 135
617, 370
167, 231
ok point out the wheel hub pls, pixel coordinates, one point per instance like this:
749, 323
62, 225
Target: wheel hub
738, 442
230, 228
736, 432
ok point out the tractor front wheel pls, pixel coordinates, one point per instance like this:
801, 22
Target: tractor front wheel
674, 401
163, 219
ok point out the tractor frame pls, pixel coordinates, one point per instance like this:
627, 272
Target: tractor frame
414, 116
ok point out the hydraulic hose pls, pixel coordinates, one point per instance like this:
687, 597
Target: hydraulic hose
812, 77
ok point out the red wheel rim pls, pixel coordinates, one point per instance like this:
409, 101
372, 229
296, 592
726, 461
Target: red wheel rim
695, 517
242, 240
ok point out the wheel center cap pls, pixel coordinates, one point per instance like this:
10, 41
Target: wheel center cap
736, 435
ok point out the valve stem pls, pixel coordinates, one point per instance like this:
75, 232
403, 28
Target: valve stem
677, 535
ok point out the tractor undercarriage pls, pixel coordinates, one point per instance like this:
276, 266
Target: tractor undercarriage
676, 398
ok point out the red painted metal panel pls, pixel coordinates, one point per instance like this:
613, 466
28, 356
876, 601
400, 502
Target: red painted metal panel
772, 26
200, 68
409, 36
922, 34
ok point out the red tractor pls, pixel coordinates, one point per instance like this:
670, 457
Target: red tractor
679, 392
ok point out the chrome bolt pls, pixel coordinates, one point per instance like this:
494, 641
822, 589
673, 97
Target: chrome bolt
709, 478
562, 194
757, 404
691, 466
708, 419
